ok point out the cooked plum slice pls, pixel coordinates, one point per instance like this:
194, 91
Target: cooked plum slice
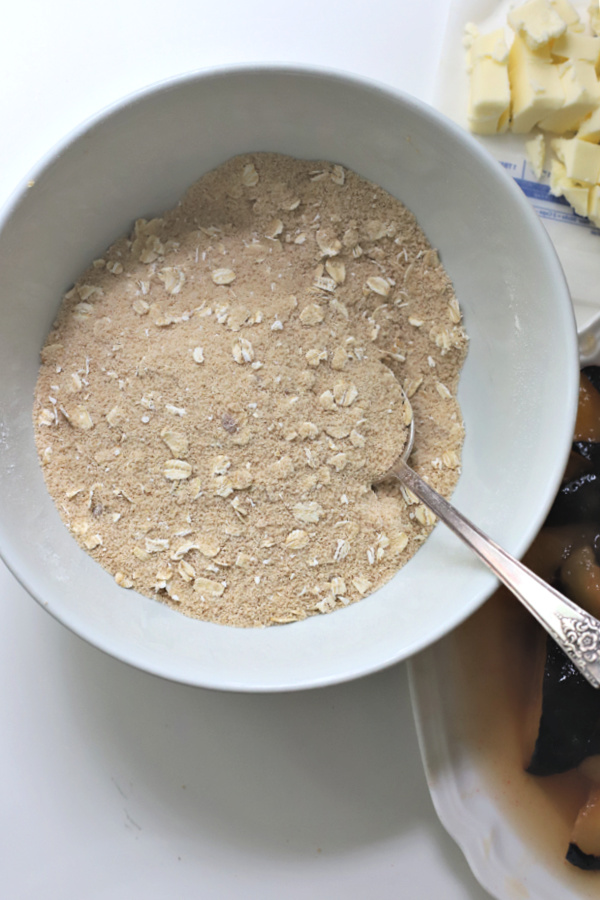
592, 373
587, 426
579, 496
567, 554
582, 860
579, 577
553, 546
584, 847
589, 450
569, 728
578, 500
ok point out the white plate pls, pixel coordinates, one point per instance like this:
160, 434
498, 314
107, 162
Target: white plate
508, 824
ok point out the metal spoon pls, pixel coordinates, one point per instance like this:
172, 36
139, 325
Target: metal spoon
575, 631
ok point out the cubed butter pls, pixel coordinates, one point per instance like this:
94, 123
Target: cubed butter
571, 45
470, 33
558, 173
535, 86
489, 46
581, 96
568, 14
575, 193
537, 22
549, 81
536, 154
489, 99
594, 205
580, 158
578, 196
589, 130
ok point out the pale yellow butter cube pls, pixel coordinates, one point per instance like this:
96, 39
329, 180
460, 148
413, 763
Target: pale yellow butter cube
520, 52
489, 99
558, 176
589, 130
536, 154
594, 205
470, 33
581, 96
571, 45
535, 86
567, 13
489, 46
581, 158
594, 13
558, 173
537, 22
576, 194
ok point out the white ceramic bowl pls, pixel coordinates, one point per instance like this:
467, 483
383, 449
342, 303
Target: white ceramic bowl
518, 389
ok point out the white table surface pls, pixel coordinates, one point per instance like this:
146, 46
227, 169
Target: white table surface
113, 783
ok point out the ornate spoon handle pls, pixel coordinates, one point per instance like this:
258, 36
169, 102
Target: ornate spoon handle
575, 631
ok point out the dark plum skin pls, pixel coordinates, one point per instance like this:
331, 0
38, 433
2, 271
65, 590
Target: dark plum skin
579, 499
569, 729
589, 450
582, 860
593, 374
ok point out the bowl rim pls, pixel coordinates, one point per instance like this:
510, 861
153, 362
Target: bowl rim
475, 148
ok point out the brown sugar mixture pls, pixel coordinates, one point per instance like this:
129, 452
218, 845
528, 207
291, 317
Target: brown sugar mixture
220, 390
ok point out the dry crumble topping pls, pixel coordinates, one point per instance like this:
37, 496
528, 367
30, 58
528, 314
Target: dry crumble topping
221, 388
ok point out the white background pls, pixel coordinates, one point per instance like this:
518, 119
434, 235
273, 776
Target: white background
113, 783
